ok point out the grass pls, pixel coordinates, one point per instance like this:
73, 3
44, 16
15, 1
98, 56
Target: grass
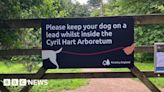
53, 85
68, 84
145, 66
59, 85
12, 68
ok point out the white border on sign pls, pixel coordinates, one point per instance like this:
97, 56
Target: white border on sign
155, 57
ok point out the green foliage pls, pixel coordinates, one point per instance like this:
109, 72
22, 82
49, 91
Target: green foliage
145, 66
55, 85
94, 3
96, 12
27, 38
148, 35
13, 9
142, 57
49, 9
60, 85
8, 38
11, 67
74, 9
144, 35
29, 62
131, 7
79, 11
30, 38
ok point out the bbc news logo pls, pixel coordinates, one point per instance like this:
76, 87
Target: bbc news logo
23, 82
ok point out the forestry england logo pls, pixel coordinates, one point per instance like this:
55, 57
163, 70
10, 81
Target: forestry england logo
106, 62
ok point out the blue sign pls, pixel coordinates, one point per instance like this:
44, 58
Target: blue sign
94, 42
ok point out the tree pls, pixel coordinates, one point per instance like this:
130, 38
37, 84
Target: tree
97, 7
13, 9
79, 10
74, 9
129, 7
27, 38
95, 3
144, 35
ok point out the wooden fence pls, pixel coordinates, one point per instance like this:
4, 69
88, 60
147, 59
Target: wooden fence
36, 23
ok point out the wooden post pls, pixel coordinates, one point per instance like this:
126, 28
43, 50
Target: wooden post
38, 75
3, 88
144, 79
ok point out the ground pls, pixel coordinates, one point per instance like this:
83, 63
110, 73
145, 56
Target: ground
112, 84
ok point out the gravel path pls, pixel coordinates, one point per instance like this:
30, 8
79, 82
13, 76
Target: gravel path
111, 84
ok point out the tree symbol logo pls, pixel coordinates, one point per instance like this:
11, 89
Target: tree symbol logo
106, 62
